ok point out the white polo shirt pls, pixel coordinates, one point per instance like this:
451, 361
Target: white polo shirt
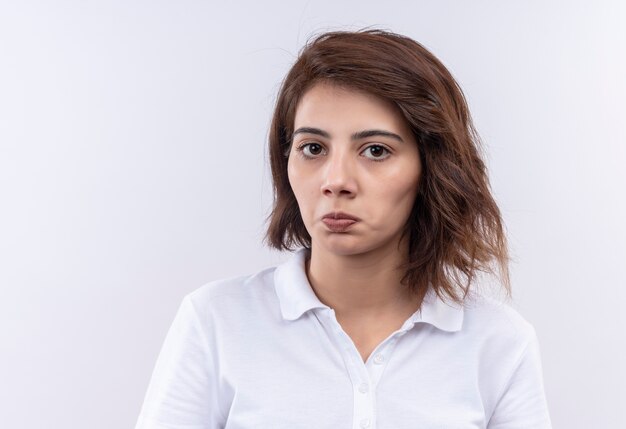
261, 351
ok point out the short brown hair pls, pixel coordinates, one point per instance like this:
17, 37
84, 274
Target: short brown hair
455, 226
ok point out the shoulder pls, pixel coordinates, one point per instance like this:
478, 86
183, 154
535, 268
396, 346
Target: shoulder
234, 295
508, 363
493, 320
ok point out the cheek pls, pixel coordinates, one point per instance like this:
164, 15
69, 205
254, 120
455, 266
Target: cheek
299, 185
294, 179
397, 187
401, 193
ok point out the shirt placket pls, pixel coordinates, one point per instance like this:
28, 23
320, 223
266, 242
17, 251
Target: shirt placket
363, 375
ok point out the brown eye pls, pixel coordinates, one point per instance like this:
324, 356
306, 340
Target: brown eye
377, 152
314, 148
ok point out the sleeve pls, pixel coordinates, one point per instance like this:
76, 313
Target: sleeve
182, 392
522, 404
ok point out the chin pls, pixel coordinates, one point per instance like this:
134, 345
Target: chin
341, 244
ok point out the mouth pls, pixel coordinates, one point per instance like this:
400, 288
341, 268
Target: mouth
340, 216
338, 221
338, 225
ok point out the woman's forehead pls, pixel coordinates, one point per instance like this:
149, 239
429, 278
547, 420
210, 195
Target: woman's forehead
336, 108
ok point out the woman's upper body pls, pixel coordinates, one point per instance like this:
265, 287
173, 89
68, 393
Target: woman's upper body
353, 331
262, 351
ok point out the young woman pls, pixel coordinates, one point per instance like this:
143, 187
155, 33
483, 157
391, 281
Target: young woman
375, 321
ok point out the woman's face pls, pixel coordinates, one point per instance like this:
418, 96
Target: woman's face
374, 178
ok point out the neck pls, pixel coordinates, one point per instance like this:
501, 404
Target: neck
360, 285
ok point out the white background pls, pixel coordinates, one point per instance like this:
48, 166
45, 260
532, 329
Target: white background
134, 169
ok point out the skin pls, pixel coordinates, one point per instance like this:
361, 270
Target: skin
354, 272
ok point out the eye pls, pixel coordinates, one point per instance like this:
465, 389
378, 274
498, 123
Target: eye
312, 146
316, 148
379, 150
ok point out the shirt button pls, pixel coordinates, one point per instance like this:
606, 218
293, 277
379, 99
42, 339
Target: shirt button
365, 423
364, 387
378, 359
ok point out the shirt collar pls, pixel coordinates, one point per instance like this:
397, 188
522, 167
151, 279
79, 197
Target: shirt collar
296, 297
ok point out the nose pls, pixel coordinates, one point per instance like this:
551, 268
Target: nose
339, 175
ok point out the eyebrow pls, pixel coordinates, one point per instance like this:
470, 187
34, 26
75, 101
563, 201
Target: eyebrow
356, 136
